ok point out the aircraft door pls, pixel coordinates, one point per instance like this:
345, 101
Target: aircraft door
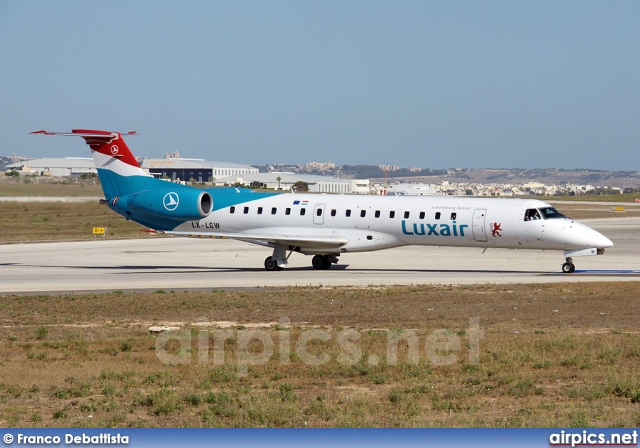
318, 214
479, 227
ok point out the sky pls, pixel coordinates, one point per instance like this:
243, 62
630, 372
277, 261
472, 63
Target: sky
430, 84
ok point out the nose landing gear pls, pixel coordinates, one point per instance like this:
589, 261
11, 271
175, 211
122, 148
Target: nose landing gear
568, 267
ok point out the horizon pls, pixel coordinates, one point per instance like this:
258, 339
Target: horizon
338, 165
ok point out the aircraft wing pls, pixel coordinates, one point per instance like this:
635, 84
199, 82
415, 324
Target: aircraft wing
319, 242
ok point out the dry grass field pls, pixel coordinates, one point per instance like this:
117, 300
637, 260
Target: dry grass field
555, 355
48, 187
44, 221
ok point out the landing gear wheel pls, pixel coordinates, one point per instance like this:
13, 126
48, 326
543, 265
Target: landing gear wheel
271, 265
321, 262
568, 267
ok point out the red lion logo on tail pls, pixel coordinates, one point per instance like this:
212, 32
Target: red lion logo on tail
496, 229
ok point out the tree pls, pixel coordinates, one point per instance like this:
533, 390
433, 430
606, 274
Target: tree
12, 173
279, 179
301, 186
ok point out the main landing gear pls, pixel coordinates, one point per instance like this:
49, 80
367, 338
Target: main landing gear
323, 261
270, 264
279, 259
568, 267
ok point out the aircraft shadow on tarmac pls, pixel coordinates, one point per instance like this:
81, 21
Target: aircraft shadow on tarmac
151, 269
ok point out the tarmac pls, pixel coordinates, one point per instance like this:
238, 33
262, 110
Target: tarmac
172, 263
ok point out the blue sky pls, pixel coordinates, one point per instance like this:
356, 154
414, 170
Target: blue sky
434, 84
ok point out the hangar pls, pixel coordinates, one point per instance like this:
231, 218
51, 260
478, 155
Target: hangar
175, 169
199, 170
58, 167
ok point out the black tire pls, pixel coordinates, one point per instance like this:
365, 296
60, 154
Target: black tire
568, 268
270, 264
318, 262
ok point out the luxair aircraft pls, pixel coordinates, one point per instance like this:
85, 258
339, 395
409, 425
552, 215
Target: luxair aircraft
328, 225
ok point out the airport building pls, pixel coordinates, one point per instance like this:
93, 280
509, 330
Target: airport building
57, 167
199, 170
411, 190
173, 168
286, 180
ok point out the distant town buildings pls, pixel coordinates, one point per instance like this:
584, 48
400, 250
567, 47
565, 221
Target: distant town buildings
335, 179
389, 167
485, 189
317, 166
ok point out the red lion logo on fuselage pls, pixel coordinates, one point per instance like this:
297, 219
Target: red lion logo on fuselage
496, 229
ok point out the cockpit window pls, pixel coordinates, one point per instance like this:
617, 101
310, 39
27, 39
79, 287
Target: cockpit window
532, 214
551, 213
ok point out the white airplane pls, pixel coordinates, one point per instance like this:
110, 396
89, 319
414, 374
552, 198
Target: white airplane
328, 225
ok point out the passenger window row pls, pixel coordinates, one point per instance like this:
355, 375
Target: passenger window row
363, 213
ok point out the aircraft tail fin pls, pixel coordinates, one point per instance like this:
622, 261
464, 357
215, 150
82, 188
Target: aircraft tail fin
119, 171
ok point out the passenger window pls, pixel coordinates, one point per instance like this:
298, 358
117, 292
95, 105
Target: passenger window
453, 216
421, 215
333, 212
319, 212
347, 213
259, 210
232, 210
406, 215
303, 211
246, 210
287, 211
274, 210
392, 214
377, 213
363, 213
437, 215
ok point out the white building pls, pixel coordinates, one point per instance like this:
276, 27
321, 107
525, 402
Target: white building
411, 190
59, 167
286, 180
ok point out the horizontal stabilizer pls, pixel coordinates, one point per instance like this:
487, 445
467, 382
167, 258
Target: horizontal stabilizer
84, 133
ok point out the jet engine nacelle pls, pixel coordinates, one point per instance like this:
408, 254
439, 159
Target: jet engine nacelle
180, 205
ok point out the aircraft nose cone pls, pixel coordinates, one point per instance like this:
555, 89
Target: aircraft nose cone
603, 241
584, 236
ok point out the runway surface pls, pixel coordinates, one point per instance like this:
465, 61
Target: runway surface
154, 263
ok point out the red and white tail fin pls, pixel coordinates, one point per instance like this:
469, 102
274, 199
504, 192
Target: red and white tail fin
107, 146
119, 171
